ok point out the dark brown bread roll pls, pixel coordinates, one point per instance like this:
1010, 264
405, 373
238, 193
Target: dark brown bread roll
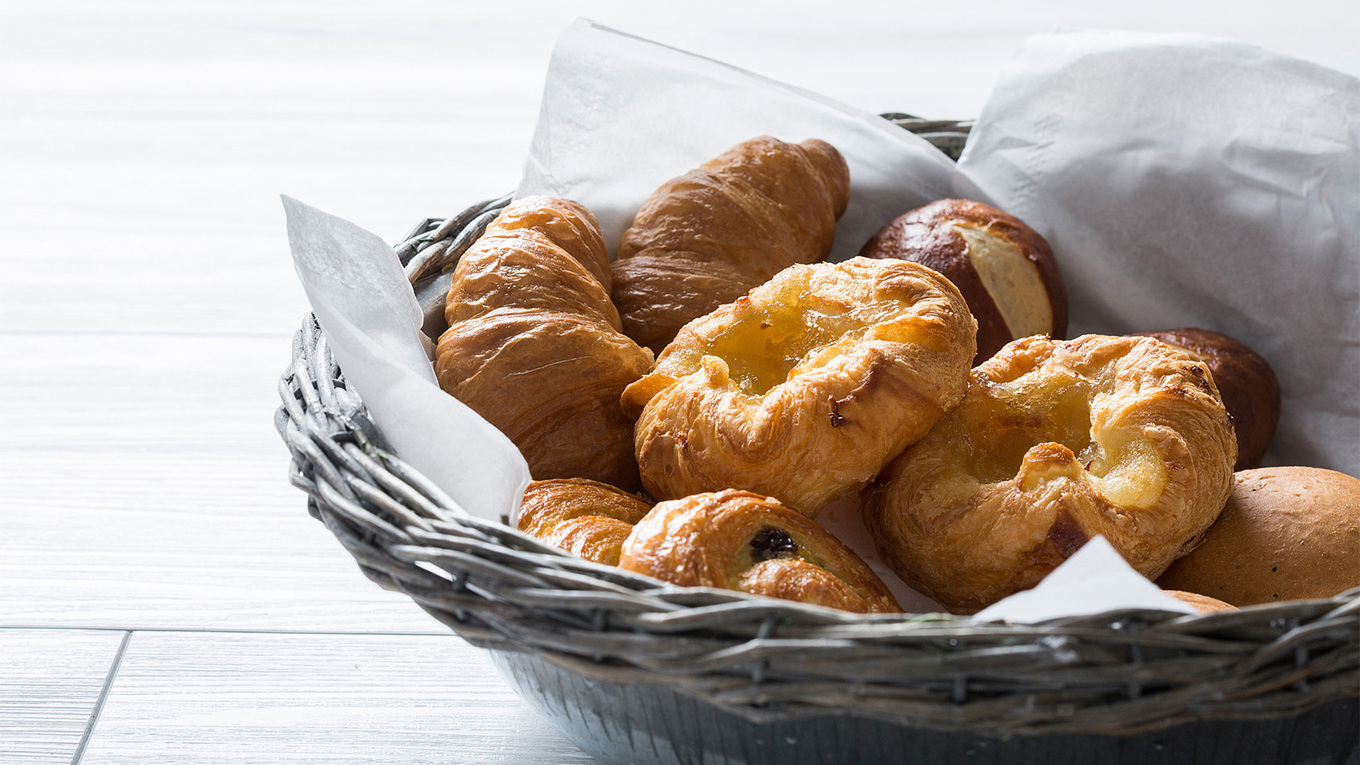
1004, 269
1250, 390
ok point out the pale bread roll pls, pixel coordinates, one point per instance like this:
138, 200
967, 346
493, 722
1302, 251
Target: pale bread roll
1287, 533
1202, 603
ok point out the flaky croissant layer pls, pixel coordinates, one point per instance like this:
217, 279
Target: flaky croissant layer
738, 540
533, 344
709, 236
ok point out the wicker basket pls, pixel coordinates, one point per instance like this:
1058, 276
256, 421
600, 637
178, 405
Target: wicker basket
635, 670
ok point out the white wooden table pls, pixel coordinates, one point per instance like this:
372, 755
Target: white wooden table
163, 594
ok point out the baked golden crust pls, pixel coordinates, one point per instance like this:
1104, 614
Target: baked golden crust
1250, 390
1055, 442
1286, 533
533, 344
1202, 603
737, 540
806, 387
711, 235
1003, 268
586, 518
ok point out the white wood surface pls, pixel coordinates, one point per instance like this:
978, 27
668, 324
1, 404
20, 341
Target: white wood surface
50, 684
199, 698
147, 301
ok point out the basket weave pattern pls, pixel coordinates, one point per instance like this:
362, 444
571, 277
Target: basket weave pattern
1116, 673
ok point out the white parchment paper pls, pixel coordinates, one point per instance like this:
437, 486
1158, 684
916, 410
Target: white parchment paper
371, 320
1182, 181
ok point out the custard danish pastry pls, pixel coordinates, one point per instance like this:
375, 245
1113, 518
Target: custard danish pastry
807, 387
737, 540
1055, 442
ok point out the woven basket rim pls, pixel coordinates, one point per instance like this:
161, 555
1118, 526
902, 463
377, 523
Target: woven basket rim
1120, 672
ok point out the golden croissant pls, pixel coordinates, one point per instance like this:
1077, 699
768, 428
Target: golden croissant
709, 236
534, 346
737, 540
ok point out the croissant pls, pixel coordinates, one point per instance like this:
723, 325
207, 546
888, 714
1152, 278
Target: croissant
1055, 442
534, 346
808, 386
708, 237
737, 540
586, 518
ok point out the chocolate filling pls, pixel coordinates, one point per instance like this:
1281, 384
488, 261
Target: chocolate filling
772, 543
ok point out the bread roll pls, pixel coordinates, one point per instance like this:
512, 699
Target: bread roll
1004, 268
1287, 533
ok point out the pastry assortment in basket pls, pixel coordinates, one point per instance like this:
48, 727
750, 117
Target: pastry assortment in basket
1130, 681
811, 381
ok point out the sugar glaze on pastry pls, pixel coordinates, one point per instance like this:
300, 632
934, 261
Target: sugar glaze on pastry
805, 388
737, 540
1055, 442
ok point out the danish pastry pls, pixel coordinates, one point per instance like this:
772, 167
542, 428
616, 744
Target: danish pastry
1250, 390
1004, 268
1055, 442
588, 519
534, 346
708, 237
737, 540
805, 388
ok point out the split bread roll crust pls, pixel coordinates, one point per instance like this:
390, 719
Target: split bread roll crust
709, 236
1004, 268
588, 519
737, 540
805, 388
534, 346
1055, 442
1286, 533
1202, 603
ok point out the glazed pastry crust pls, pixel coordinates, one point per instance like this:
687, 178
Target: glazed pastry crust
586, 518
533, 343
738, 540
711, 235
1054, 443
805, 388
